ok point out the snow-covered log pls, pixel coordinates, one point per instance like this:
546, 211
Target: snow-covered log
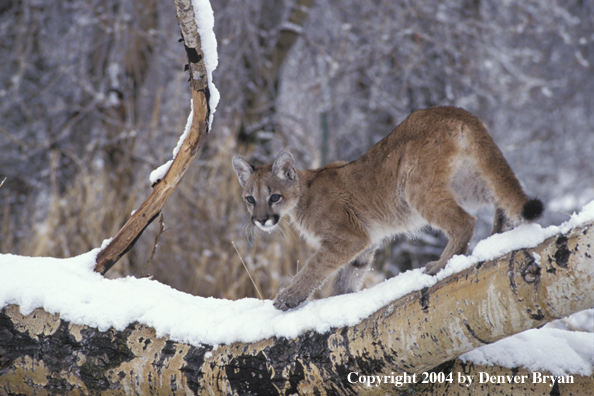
422, 331
202, 93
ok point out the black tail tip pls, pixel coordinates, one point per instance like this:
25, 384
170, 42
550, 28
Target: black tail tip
532, 209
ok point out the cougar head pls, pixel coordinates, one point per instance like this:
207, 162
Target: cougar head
269, 191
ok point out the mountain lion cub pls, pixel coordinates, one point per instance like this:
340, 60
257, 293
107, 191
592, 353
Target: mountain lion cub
434, 164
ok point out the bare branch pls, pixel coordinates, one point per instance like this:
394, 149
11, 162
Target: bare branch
150, 209
155, 244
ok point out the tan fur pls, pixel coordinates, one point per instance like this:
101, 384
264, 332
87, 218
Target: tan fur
431, 166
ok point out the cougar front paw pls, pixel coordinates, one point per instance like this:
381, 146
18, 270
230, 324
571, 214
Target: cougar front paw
433, 267
288, 299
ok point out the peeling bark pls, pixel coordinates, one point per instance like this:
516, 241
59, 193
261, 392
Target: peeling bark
425, 330
150, 209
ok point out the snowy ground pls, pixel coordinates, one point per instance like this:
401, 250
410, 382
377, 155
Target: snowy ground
71, 288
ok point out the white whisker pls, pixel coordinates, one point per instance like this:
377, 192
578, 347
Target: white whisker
288, 229
281, 230
249, 231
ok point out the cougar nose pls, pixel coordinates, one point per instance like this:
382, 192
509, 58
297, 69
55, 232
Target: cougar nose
263, 220
266, 221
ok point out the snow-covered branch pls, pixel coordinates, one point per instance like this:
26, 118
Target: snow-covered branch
204, 100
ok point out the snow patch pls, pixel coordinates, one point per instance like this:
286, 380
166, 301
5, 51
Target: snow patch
205, 21
557, 351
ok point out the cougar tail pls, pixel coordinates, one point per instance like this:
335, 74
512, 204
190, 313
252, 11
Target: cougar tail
506, 189
532, 209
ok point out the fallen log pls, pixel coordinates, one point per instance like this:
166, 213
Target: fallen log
420, 332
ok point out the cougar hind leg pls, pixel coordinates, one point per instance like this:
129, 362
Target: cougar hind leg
349, 278
456, 224
501, 222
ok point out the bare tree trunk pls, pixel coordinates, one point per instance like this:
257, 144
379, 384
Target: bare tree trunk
414, 334
260, 107
150, 209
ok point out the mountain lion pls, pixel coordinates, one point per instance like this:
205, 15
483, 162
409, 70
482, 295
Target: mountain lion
434, 164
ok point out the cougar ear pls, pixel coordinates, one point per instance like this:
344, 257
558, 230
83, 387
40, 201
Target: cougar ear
284, 166
243, 170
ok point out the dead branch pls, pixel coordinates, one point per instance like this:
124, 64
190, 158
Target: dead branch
150, 209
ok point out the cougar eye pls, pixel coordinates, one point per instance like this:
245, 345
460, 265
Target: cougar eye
275, 198
250, 199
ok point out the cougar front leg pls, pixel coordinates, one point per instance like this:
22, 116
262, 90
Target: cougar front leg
322, 264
